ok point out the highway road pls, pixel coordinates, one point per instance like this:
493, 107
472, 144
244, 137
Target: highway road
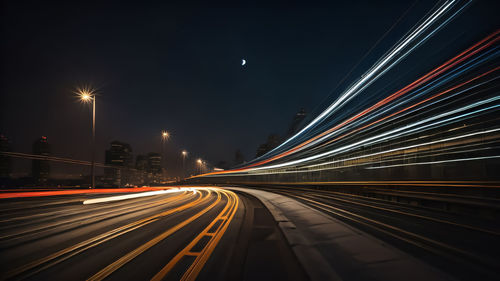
214, 233
187, 234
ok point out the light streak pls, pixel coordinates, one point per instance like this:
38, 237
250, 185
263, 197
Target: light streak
437, 162
310, 168
355, 88
132, 196
450, 63
24, 194
407, 113
385, 136
413, 146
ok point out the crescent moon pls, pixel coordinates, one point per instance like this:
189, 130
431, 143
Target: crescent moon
243, 62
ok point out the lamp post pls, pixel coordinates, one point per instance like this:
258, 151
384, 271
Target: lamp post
164, 136
88, 95
184, 155
200, 163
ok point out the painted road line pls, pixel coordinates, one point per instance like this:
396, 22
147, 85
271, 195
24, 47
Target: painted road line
133, 254
81, 218
225, 217
64, 254
57, 214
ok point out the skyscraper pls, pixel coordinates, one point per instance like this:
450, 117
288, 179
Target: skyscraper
40, 169
273, 141
296, 122
120, 156
142, 173
154, 165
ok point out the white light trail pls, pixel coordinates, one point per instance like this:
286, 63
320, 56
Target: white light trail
136, 195
436, 162
364, 82
407, 147
387, 135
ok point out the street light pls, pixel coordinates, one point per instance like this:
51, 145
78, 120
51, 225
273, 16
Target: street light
88, 95
184, 155
164, 136
200, 163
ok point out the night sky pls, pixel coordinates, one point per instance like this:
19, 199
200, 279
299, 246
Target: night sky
178, 67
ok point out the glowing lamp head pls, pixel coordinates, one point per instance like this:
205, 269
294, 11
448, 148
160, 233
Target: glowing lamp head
86, 94
184, 153
86, 97
199, 161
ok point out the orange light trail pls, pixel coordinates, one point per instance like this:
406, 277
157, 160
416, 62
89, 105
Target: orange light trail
7, 195
492, 38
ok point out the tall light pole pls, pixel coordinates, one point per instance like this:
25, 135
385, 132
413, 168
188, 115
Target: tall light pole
200, 163
164, 136
88, 95
184, 155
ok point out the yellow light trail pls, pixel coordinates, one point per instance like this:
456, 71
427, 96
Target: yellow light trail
66, 253
133, 254
225, 217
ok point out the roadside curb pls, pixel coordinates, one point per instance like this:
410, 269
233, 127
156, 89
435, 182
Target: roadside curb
315, 265
329, 249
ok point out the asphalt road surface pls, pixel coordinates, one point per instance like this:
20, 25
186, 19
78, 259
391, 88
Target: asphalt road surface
217, 234
203, 234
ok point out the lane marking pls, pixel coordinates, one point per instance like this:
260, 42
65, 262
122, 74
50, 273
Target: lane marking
61, 222
226, 215
59, 256
105, 272
74, 208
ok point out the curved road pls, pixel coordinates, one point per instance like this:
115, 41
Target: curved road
210, 233
186, 234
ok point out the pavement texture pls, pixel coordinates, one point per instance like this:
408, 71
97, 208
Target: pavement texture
329, 249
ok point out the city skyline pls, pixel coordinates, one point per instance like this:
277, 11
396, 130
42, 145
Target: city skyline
196, 92
277, 140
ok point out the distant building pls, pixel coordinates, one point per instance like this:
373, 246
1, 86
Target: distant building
141, 162
5, 161
120, 156
142, 174
272, 142
40, 169
154, 162
238, 157
154, 166
296, 123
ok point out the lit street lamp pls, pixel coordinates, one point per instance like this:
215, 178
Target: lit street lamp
200, 164
164, 136
184, 155
88, 95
